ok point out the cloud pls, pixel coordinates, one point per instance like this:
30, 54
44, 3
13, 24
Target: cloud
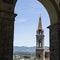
21, 20
34, 5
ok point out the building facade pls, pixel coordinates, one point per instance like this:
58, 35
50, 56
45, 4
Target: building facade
41, 54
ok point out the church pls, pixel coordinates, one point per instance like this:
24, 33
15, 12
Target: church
41, 53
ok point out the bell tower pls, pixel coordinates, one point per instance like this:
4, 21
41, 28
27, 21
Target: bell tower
39, 41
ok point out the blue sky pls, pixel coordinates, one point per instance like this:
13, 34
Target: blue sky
26, 22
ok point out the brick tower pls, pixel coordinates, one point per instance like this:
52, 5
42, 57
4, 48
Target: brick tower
39, 42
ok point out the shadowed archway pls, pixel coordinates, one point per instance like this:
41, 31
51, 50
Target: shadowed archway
7, 17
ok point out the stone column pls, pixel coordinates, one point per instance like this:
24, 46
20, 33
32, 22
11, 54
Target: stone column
6, 35
54, 41
7, 18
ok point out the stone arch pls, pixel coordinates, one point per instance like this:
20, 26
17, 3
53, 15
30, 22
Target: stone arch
51, 10
7, 17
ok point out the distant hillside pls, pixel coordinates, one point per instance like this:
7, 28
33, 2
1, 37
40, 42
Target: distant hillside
26, 49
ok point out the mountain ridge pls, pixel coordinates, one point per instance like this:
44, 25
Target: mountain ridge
26, 49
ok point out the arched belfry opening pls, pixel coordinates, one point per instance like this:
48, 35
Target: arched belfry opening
7, 18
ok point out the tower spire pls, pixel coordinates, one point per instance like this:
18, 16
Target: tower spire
40, 24
40, 42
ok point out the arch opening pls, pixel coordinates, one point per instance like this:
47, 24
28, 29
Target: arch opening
39, 13
7, 17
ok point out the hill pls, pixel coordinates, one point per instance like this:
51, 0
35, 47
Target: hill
26, 49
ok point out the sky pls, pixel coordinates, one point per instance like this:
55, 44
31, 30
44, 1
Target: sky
26, 22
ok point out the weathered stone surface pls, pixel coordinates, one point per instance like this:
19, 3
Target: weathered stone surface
7, 18
54, 41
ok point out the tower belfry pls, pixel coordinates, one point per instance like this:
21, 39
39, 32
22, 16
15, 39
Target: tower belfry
39, 41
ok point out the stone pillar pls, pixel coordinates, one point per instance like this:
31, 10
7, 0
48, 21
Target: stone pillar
7, 18
54, 41
6, 38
